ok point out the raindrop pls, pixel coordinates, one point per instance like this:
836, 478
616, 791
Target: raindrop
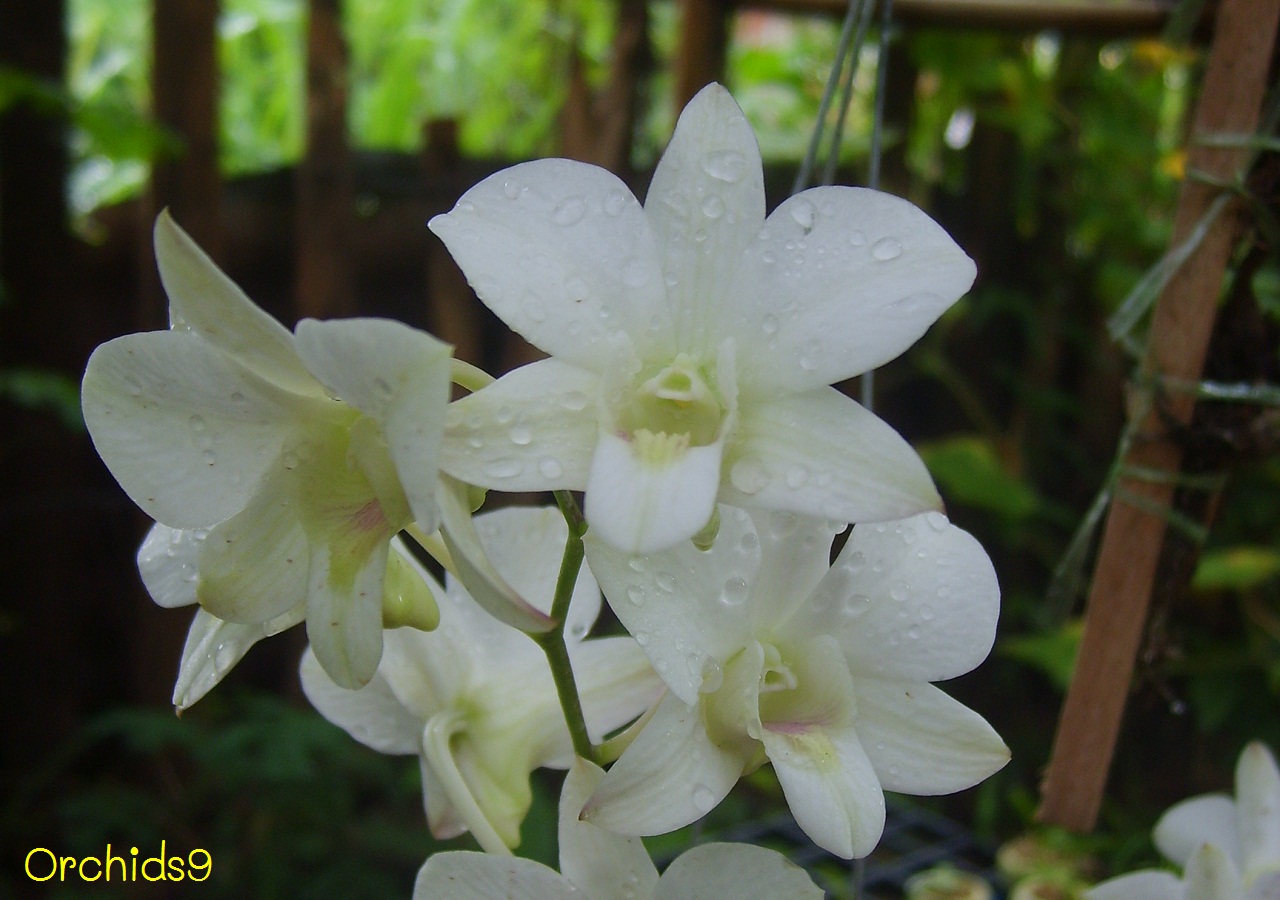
549, 467
713, 207
520, 434
712, 677
224, 658
937, 521
804, 214
783, 524
505, 415
856, 561
476, 441
769, 325
666, 581
854, 606
636, 564
704, 799
465, 206
749, 542
808, 351
615, 202
700, 236
574, 401
512, 189
504, 467
533, 308
797, 476
899, 591
914, 632
133, 386
749, 476
886, 249
857, 239
926, 613
634, 273
635, 594
577, 289
734, 592
569, 211
642, 638
725, 165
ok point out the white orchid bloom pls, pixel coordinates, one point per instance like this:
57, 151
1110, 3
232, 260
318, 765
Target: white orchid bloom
600, 865
1228, 849
769, 654
694, 342
169, 561
475, 699
301, 454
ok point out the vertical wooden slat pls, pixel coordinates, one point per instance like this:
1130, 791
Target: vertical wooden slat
325, 200
704, 40
1234, 81
184, 93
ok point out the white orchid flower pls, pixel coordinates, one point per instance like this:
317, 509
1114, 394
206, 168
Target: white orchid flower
169, 561
600, 865
1228, 849
694, 342
475, 698
769, 654
301, 454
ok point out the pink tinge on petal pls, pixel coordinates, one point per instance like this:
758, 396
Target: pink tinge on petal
369, 518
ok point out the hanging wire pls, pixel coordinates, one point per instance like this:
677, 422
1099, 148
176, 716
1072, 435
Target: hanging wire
842, 52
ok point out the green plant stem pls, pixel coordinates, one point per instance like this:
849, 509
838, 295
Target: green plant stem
552, 642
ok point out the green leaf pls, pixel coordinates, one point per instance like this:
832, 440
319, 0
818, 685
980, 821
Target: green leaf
1236, 568
969, 471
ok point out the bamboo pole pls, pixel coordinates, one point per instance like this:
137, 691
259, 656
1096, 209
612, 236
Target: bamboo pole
1231, 97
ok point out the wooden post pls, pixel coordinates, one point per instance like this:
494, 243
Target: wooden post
326, 193
1234, 82
184, 93
704, 40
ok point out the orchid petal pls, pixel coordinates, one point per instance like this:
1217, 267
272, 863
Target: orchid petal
534, 429
186, 431
206, 302
214, 646
1211, 875
467, 875
641, 505
373, 714
443, 820
670, 776
808, 733
1208, 818
462, 780
921, 741
1258, 809
344, 612
915, 600
476, 572
1147, 885
740, 871
820, 453
399, 377
168, 562
253, 567
795, 555
844, 279
684, 598
531, 240
615, 683
705, 205
601, 864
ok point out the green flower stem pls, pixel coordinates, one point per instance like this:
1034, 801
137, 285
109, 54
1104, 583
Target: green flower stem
552, 642
473, 378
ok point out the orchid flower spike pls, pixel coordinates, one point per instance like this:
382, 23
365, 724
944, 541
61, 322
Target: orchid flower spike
298, 455
599, 865
475, 700
693, 342
769, 653
1228, 849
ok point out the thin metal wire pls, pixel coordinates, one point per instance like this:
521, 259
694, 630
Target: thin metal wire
815, 140
846, 90
867, 383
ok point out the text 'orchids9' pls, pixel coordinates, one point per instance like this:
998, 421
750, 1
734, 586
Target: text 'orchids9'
693, 343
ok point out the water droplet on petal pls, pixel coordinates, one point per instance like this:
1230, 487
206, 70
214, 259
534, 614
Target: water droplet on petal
133, 386
857, 239
521, 434
465, 206
636, 564
713, 207
854, 606
769, 325
927, 613
855, 562
634, 273
569, 211
574, 401
642, 638
666, 581
512, 189
809, 351
615, 202
549, 467
804, 214
504, 415
749, 476
797, 476
704, 799
899, 591
533, 307
734, 591
504, 467
635, 594
725, 165
886, 249
712, 677
937, 521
